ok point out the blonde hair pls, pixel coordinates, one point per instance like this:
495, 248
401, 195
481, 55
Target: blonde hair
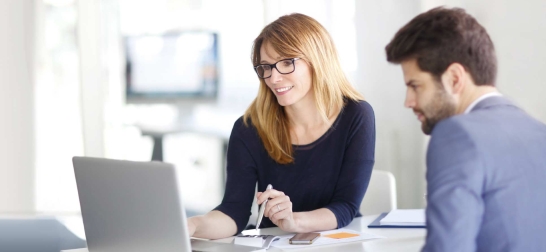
297, 36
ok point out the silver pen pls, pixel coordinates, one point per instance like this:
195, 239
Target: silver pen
262, 209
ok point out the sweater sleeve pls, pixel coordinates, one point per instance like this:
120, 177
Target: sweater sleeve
356, 168
241, 179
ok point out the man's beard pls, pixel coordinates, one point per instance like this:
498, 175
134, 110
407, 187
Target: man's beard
441, 107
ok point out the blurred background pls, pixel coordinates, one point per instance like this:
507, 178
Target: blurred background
166, 79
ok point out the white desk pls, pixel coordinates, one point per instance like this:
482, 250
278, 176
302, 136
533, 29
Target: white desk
397, 239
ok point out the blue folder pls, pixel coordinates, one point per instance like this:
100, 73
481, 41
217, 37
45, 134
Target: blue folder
376, 224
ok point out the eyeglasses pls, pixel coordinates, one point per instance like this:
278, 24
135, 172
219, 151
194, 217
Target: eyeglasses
284, 66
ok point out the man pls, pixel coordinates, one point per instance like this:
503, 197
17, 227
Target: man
486, 159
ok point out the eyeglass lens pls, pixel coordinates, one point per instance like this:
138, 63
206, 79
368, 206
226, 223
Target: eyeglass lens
284, 67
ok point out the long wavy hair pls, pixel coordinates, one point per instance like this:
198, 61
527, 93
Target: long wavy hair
297, 36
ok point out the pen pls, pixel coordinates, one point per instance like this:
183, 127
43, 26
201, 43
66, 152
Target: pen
262, 209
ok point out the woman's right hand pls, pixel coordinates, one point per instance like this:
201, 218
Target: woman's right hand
278, 209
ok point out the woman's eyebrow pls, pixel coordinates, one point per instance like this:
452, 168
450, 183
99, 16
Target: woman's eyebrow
279, 58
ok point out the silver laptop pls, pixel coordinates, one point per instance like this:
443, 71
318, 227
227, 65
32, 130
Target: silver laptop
135, 206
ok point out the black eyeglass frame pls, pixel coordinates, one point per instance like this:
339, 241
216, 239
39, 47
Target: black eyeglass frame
274, 65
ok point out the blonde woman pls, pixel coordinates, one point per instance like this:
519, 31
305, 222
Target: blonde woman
308, 133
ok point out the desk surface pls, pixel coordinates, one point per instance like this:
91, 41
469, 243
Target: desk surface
397, 239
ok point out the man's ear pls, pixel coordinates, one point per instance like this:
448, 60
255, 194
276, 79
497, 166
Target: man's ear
454, 78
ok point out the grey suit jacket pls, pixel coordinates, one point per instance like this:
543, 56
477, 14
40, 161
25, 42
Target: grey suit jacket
486, 181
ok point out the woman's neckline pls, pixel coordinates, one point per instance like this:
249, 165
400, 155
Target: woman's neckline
323, 136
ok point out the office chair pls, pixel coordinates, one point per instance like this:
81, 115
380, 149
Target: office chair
380, 196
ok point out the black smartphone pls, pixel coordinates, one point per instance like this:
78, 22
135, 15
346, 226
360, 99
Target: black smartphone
304, 238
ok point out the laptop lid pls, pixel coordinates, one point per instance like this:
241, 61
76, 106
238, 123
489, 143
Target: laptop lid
135, 206
130, 206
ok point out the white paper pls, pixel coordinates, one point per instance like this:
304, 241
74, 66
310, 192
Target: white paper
404, 217
283, 243
249, 241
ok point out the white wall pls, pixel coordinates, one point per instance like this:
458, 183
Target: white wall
17, 106
399, 143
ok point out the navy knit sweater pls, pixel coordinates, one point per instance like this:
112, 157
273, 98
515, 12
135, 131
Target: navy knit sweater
333, 172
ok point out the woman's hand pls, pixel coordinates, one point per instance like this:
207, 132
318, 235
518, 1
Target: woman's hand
278, 209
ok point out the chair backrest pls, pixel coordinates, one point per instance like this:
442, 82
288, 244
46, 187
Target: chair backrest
380, 196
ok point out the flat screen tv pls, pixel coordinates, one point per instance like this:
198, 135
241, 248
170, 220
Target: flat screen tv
172, 68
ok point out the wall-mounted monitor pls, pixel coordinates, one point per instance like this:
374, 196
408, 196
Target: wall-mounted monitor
172, 68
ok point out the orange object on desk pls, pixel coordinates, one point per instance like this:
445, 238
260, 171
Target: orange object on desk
340, 235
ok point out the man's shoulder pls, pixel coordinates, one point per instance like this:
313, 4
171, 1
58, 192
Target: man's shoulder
458, 123
451, 139
493, 130
495, 116
475, 121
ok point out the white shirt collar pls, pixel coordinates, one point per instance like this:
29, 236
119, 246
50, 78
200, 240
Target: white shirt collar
481, 98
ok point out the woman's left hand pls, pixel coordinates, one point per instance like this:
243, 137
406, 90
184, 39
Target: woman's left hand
278, 209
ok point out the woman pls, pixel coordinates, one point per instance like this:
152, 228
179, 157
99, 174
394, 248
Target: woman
308, 133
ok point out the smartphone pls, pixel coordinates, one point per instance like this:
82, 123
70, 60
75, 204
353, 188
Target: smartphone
304, 238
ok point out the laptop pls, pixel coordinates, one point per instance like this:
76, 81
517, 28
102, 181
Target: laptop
135, 206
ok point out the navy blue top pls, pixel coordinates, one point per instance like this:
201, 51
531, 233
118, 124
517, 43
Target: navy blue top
333, 172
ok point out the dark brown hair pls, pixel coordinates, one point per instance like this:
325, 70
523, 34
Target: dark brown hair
440, 37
